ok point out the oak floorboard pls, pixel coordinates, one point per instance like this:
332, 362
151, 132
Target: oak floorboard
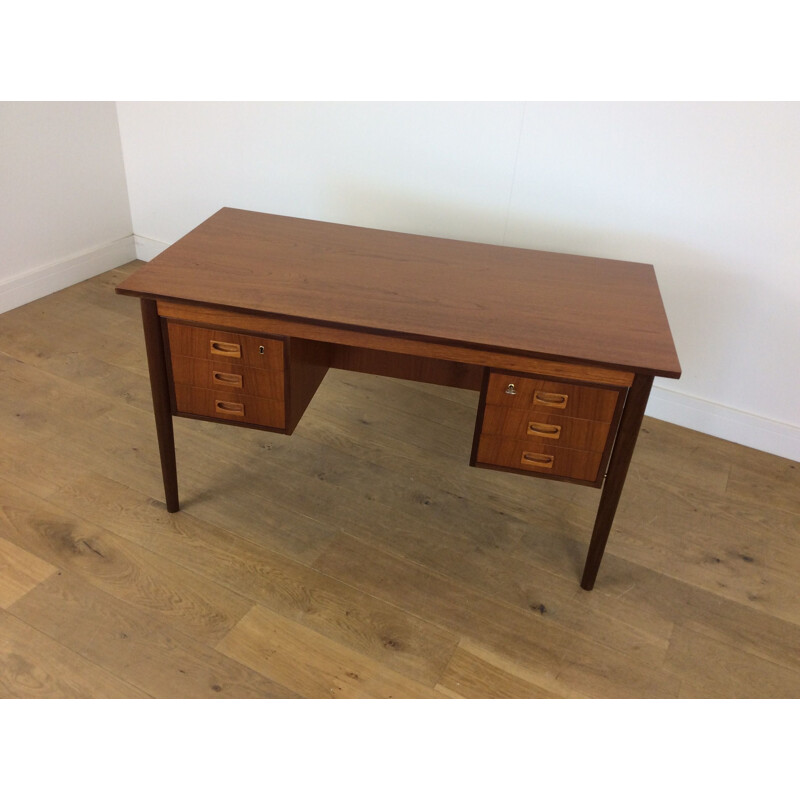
215, 490
311, 664
407, 644
48, 337
767, 483
20, 571
34, 666
123, 569
714, 669
708, 543
32, 468
470, 675
528, 638
741, 626
127, 641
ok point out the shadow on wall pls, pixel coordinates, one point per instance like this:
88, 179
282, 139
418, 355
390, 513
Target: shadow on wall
409, 213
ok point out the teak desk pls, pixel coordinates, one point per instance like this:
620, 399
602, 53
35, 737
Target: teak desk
244, 315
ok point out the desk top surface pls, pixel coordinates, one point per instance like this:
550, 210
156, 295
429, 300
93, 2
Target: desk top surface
551, 305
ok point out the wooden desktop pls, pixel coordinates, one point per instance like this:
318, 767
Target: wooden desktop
244, 315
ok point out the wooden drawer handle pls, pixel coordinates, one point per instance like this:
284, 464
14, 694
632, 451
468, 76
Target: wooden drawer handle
550, 399
227, 379
228, 349
539, 459
225, 407
547, 431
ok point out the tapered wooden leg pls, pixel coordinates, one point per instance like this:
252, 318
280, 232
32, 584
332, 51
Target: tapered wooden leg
617, 470
159, 385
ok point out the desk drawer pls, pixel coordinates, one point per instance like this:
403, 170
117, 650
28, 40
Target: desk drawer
502, 451
531, 427
229, 377
225, 348
551, 397
231, 406
551, 428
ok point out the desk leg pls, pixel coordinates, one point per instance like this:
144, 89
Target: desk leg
627, 434
159, 385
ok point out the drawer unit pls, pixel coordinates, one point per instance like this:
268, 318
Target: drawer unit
555, 429
227, 376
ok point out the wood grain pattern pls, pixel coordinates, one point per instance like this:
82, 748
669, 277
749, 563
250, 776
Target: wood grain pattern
310, 664
307, 365
504, 452
123, 570
379, 341
535, 426
470, 676
34, 665
153, 656
405, 643
225, 348
20, 571
568, 399
385, 545
567, 307
201, 373
229, 405
402, 365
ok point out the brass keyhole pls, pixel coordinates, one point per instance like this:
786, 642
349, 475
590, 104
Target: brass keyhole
511, 389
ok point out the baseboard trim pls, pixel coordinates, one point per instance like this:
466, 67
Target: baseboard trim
148, 249
768, 435
39, 282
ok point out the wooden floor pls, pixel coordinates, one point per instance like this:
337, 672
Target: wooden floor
362, 556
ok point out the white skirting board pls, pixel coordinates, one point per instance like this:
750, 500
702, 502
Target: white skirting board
147, 249
41, 281
760, 433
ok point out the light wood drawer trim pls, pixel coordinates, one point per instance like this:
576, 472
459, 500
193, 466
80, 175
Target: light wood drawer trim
229, 380
500, 451
230, 406
201, 373
567, 399
224, 347
398, 344
530, 426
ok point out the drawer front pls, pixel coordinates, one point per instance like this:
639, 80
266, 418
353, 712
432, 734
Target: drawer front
225, 348
534, 427
545, 459
229, 377
231, 406
551, 397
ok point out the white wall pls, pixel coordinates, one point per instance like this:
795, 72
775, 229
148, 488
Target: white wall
64, 206
706, 192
